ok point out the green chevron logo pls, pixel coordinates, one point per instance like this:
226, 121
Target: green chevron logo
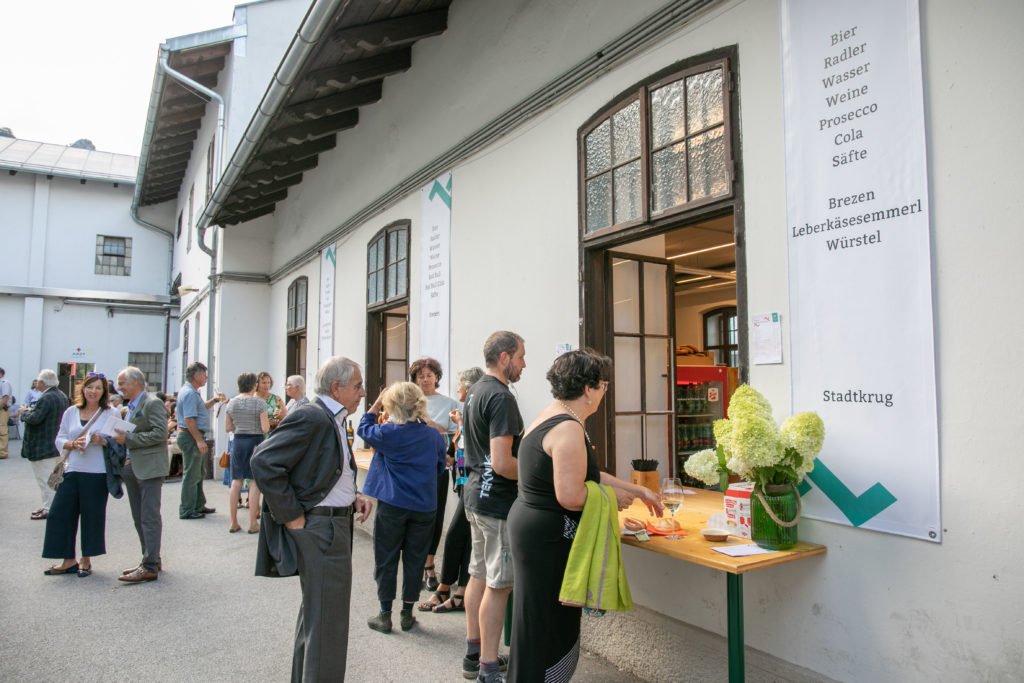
445, 192
331, 255
857, 509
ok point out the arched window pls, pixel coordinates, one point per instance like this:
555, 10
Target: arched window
295, 363
722, 335
387, 265
184, 349
662, 149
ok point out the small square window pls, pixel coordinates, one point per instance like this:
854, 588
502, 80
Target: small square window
113, 255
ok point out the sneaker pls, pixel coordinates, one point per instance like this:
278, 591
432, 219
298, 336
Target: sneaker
381, 622
407, 620
471, 666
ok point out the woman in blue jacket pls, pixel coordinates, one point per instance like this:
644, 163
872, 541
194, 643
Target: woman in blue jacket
408, 457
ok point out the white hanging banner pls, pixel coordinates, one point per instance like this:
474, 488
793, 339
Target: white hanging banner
860, 261
435, 273
328, 275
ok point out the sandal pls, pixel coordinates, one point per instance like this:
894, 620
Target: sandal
84, 571
234, 529
456, 603
57, 570
438, 598
39, 514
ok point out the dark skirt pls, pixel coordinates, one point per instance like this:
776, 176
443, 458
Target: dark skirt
545, 634
241, 454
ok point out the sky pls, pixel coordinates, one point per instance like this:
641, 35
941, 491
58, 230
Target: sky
73, 69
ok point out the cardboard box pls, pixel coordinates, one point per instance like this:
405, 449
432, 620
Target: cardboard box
737, 508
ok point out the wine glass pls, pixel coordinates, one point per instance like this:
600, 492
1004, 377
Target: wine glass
672, 497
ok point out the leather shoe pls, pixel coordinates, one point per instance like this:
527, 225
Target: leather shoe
159, 568
192, 515
208, 511
140, 575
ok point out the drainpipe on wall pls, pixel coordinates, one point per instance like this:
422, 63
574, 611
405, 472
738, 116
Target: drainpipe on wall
134, 213
218, 155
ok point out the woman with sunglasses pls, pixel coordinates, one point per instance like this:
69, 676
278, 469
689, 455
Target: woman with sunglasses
83, 493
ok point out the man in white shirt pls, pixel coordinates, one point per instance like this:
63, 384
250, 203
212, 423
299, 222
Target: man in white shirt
307, 474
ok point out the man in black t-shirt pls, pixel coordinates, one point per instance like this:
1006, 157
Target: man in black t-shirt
492, 429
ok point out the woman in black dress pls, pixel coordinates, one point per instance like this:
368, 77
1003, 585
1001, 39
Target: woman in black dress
555, 461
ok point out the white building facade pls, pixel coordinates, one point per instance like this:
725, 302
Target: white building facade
85, 288
506, 99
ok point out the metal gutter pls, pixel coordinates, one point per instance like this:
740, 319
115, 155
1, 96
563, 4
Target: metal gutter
319, 17
86, 295
64, 173
641, 36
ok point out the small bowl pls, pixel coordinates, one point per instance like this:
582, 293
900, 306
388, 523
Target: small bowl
715, 535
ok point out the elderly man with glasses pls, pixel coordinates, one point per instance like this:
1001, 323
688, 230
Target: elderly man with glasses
42, 422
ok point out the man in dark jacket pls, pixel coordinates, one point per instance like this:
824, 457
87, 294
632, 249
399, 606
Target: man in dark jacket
307, 475
42, 422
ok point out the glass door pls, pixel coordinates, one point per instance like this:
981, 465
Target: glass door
641, 316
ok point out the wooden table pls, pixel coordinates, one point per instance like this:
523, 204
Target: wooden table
693, 517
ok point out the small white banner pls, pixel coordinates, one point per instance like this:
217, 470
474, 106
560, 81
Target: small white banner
328, 274
435, 273
860, 261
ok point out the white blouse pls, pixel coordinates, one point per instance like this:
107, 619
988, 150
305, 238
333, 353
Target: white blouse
90, 461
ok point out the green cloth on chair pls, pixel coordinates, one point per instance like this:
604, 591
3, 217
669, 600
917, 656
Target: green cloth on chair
594, 575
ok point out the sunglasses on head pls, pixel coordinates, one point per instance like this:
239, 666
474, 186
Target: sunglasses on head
96, 374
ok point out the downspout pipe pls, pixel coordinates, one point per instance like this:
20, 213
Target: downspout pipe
218, 157
318, 19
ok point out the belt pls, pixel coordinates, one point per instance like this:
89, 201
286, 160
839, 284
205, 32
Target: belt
325, 511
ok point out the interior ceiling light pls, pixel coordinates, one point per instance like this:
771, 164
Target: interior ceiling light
701, 251
693, 279
717, 284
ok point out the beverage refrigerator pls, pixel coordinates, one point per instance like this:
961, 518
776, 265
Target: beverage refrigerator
702, 396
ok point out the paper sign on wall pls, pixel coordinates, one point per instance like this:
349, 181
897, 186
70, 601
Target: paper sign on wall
766, 339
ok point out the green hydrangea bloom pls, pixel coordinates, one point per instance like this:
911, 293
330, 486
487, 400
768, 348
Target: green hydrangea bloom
703, 466
804, 432
755, 442
747, 402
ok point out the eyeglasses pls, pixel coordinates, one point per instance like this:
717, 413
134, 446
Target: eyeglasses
96, 374
604, 385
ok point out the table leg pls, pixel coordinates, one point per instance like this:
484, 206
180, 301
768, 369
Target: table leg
734, 586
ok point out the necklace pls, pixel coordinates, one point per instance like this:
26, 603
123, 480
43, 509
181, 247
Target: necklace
577, 418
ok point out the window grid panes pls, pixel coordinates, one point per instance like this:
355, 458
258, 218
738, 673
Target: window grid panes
387, 266
721, 335
152, 364
113, 255
297, 295
683, 120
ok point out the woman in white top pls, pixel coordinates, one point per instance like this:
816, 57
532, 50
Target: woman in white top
427, 373
83, 493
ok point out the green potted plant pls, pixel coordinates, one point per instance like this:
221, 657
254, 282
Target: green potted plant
775, 458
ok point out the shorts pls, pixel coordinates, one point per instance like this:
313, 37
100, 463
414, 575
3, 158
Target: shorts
490, 560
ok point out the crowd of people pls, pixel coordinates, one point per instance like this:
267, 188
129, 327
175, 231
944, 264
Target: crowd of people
520, 492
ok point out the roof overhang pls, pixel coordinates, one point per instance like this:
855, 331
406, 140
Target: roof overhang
337, 63
176, 112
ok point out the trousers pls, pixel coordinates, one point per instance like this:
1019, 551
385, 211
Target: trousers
192, 497
144, 500
82, 495
42, 470
324, 550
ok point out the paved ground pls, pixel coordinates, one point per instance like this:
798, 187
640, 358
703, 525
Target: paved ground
207, 619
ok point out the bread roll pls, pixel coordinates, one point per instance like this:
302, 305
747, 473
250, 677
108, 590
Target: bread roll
633, 524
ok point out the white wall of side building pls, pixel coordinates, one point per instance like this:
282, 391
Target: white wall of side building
876, 607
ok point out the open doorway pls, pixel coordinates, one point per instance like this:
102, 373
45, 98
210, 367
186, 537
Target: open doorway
667, 309
71, 375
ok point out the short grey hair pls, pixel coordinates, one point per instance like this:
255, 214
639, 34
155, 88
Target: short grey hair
47, 378
468, 378
192, 370
133, 374
297, 380
335, 369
